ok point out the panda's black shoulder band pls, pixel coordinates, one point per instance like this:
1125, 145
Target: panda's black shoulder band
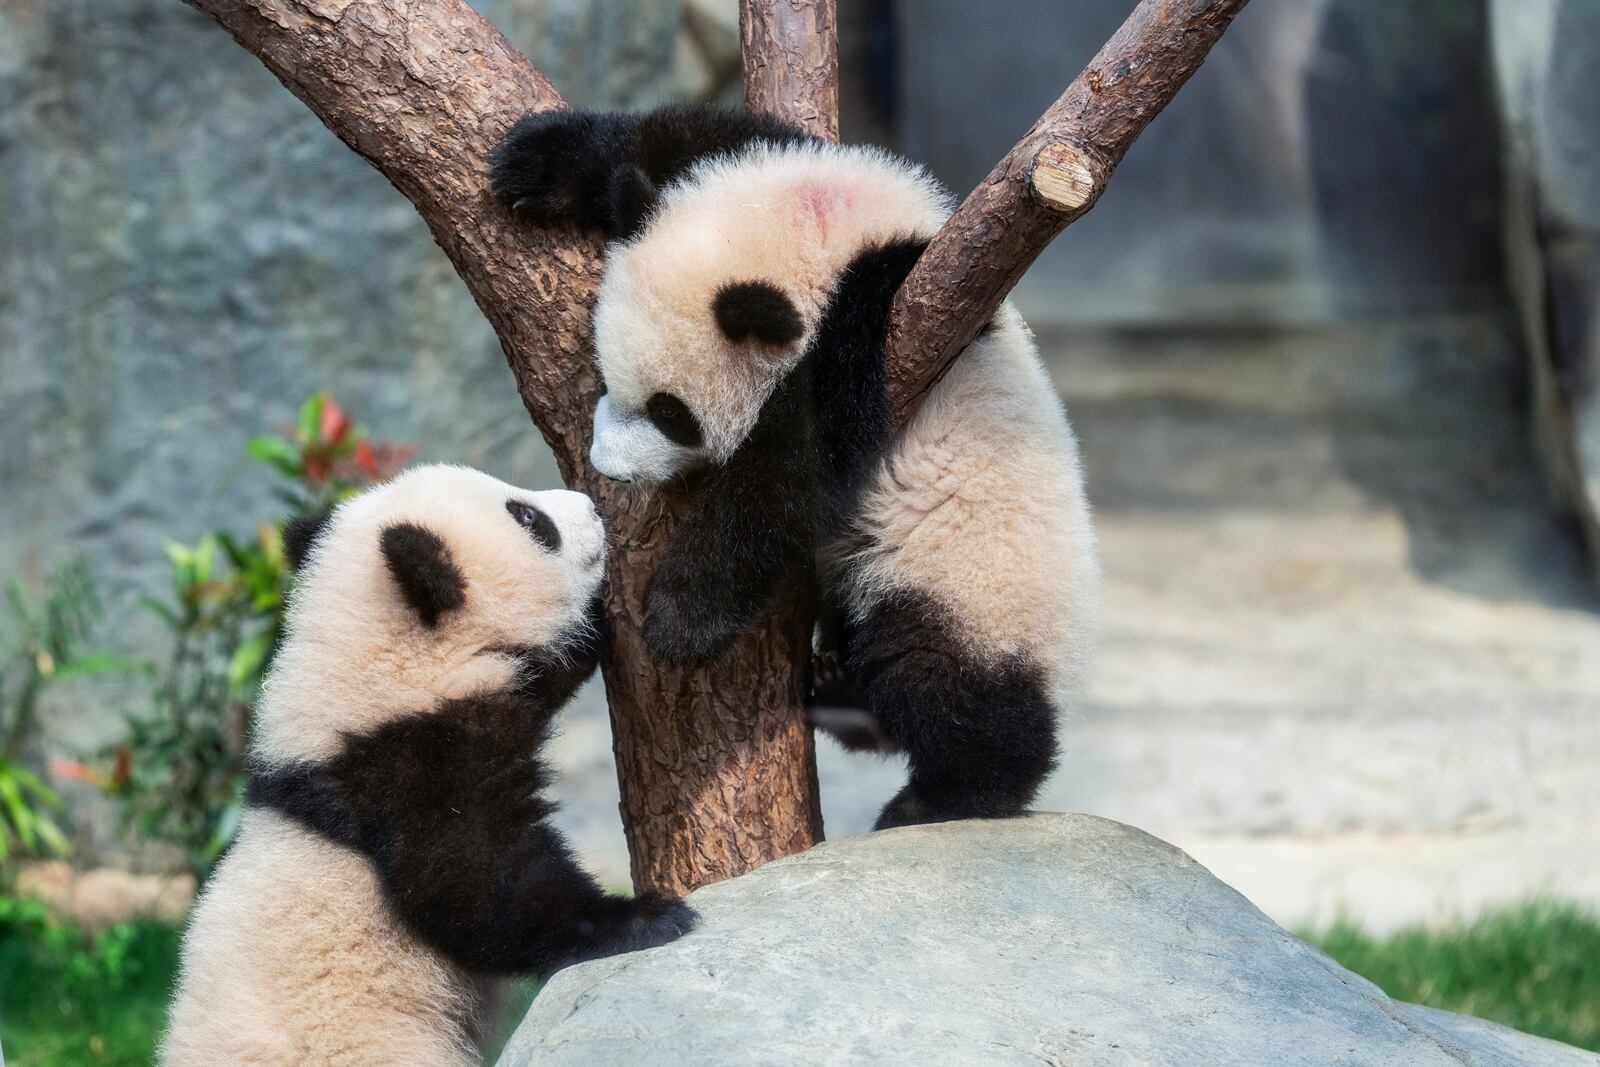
308, 794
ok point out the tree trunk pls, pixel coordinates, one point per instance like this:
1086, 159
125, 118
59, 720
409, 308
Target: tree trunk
716, 766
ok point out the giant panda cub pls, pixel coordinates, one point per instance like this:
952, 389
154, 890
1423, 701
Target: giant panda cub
394, 862
740, 331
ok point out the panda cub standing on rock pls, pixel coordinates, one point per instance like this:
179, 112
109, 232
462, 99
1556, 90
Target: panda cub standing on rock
740, 332
394, 863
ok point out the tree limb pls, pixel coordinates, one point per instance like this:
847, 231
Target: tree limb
1050, 179
791, 62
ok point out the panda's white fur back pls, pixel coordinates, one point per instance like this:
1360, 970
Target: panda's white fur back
294, 928
981, 504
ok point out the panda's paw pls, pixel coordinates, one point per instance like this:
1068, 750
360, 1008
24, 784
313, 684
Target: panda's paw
919, 805
547, 165
906, 809
683, 637
660, 919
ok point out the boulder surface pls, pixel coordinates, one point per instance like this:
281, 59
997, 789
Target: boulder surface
1054, 939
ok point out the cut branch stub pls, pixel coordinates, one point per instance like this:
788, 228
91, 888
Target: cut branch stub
1052, 177
1064, 180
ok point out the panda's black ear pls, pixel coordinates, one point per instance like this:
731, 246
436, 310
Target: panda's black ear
300, 533
757, 311
424, 569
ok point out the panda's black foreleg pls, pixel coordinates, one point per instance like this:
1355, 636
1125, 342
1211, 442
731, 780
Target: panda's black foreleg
609, 924
979, 735
753, 519
549, 913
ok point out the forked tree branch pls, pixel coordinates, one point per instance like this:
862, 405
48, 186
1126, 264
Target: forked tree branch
1049, 180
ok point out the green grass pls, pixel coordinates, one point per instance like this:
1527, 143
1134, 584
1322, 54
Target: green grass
66, 998
1535, 967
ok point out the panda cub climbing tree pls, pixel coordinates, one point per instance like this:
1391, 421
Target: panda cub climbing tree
394, 862
740, 333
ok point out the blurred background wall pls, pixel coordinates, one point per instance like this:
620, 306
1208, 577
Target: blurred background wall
1349, 626
187, 253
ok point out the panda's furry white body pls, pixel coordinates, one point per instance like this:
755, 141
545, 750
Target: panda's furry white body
293, 957
740, 332
978, 502
981, 507
393, 864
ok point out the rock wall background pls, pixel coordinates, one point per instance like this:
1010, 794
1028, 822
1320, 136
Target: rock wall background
185, 253
1546, 53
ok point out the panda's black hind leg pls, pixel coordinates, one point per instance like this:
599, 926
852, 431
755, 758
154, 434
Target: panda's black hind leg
979, 734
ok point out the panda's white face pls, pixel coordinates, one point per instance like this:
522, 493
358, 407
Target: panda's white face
424, 589
679, 392
650, 445
702, 313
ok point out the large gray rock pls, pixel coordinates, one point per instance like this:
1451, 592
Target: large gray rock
1051, 940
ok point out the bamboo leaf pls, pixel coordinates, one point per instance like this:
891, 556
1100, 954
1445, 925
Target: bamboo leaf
28, 782
310, 423
282, 455
161, 611
17, 811
245, 666
53, 838
102, 663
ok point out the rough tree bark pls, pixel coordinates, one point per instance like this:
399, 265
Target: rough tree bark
791, 62
716, 766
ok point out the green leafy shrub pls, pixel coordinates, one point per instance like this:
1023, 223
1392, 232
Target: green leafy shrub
42, 644
179, 772
71, 997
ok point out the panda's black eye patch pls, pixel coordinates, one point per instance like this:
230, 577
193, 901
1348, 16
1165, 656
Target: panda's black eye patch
757, 311
674, 419
537, 523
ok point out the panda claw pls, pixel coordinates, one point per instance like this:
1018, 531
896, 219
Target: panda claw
662, 919
831, 684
